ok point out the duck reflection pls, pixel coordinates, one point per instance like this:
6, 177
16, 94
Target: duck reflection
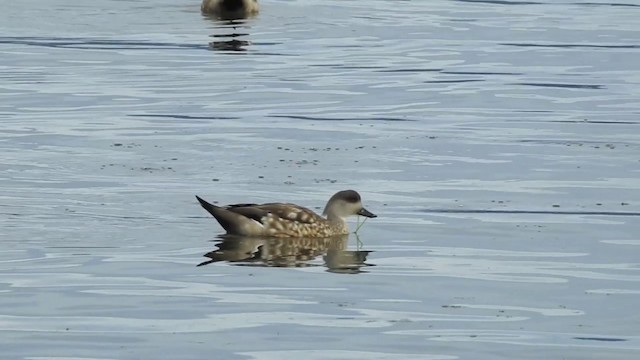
229, 38
289, 252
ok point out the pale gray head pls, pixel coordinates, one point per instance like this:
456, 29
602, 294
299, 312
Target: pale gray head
344, 204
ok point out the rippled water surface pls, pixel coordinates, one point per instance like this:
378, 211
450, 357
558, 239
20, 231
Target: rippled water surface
498, 141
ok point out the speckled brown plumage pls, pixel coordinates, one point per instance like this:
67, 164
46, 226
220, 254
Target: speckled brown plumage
288, 220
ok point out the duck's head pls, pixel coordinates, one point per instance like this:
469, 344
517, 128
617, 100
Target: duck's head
235, 5
230, 9
344, 204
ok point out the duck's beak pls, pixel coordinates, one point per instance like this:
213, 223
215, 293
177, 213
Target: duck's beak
366, 213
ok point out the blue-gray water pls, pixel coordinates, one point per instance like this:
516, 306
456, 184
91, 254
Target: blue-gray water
498, 141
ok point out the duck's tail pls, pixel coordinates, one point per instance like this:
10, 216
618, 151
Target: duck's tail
232, 222
212, 209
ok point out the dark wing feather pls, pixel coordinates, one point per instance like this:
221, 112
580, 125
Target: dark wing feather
251, 211
289, 212
228, 207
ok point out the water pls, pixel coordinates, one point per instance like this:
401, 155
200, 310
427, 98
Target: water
497, 141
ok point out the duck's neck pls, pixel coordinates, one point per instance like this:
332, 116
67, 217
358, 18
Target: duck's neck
333, 218
337, 223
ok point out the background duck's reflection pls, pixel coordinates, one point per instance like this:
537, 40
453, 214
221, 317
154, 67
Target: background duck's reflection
289, 252
229, 34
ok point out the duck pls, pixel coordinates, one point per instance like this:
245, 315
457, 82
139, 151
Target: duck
230, 9
289, 220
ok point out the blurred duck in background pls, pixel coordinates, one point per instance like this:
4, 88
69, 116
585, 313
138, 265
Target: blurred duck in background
230, 9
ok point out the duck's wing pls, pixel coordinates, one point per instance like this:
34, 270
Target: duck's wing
251, 211
292, 212
289, 212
